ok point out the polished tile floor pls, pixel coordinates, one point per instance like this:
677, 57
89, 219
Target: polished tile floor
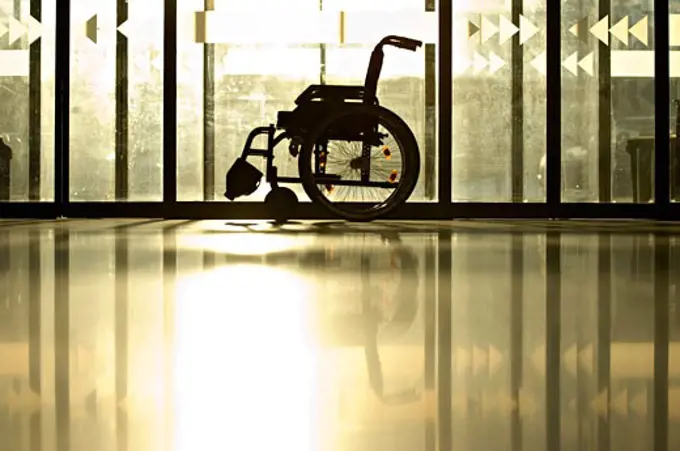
440, 336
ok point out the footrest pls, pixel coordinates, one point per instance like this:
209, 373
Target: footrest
242, 179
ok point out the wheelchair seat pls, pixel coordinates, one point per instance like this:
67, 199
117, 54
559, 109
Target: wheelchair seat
330, 93
314, 102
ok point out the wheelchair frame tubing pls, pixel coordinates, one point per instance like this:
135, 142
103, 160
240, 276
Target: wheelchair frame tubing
271, 173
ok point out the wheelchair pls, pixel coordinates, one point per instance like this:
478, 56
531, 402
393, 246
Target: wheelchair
356, 158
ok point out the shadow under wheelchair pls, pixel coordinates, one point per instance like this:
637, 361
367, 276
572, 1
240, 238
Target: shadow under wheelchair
331, 227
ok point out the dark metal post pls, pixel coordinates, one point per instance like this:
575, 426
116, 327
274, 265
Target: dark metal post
430, 165
122, 113
445, 101
662, 105
209, 115
62, 106
35, 110
554, 105
5, 170
517, 108
170, 108
605, 113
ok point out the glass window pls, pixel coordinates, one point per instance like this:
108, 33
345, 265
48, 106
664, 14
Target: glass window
607, 101
116, 100
234, 77
27, 47
498, 100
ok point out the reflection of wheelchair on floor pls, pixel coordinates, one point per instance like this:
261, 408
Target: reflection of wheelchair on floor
356, 158
380, 310
385, 308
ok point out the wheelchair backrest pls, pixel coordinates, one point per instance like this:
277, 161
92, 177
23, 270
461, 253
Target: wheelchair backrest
373, 75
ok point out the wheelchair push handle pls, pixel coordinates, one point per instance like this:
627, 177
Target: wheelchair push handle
402, 43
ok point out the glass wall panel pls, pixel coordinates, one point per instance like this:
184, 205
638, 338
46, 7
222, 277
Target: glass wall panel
237, 75
116, 100
27, 47
607, 101
499, 100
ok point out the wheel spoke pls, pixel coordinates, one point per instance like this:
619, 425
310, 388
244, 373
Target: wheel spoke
383, 161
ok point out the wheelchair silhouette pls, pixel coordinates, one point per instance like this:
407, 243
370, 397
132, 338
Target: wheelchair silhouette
356, 158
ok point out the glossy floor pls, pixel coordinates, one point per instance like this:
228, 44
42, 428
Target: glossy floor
157, 335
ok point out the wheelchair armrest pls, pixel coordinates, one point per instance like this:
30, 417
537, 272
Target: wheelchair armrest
330, 93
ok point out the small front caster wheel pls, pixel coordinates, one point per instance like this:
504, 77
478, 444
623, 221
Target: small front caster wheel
281, 204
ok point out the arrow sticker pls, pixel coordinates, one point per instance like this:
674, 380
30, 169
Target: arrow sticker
526, 29
16, 30
473, 29
489, 29
479, 63
495, 63
540, 63
35, 30
124, 28
620, 30
507, 29
641, 30
91, 28
601, 30
580, 30
588, 64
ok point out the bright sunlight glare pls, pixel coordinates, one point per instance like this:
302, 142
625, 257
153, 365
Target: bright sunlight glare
246, 244
246, 371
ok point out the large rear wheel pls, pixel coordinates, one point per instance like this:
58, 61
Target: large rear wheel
361, 162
